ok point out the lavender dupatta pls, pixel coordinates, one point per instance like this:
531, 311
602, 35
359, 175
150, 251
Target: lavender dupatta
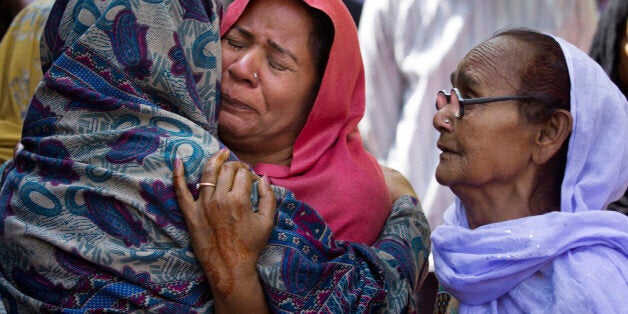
573, 261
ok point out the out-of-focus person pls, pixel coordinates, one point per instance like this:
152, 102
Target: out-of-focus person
21, 71
8, 10
610, 49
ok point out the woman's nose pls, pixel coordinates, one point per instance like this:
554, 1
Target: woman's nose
443, 120
246, 68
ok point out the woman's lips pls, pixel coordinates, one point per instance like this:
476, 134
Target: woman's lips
227, 101
445, 149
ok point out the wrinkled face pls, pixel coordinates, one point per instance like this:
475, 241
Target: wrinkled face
492, 143
268, 76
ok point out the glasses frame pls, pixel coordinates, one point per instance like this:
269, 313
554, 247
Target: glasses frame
472, 101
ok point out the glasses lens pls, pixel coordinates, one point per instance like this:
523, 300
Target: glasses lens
441, 100
454, 102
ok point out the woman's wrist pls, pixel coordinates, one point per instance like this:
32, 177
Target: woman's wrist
246, 286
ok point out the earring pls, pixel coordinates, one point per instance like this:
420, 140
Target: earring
255, 75
447, 121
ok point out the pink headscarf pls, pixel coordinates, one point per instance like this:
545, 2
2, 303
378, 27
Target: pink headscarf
331, 170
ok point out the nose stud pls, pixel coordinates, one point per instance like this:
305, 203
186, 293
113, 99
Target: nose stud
447, 121
255, 75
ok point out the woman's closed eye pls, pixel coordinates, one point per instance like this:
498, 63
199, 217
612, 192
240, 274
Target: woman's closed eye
235, 44
276, 64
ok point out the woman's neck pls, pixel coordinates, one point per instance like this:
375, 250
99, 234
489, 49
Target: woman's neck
282, 157
485, 205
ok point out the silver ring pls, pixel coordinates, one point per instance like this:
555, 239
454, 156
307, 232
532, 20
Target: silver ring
202, 184
447, 121
255, 75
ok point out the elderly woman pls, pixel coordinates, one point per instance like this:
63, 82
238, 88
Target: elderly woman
533, 145
88, 216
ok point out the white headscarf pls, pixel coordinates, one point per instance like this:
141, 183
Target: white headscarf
575, 260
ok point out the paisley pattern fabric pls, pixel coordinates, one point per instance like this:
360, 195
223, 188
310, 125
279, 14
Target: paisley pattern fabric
88, 219
305, 270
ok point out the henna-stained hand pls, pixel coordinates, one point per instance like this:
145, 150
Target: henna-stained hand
226, 235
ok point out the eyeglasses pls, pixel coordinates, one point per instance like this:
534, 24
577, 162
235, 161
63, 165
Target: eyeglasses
457, 103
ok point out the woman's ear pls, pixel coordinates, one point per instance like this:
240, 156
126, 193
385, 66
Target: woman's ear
551, 135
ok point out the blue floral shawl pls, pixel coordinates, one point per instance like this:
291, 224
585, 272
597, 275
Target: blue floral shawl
88, 218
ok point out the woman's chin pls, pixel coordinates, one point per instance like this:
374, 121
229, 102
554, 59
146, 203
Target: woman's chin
233, 126
442, 176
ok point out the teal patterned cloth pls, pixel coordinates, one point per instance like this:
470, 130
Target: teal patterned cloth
88, 217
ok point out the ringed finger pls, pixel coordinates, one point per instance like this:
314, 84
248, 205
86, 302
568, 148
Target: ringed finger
207, 184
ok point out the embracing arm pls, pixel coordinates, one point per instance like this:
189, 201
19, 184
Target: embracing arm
302, 266
226, 238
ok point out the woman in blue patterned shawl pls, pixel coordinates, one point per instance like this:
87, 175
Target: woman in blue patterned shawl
89, 221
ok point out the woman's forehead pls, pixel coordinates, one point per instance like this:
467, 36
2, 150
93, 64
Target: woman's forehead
489, 63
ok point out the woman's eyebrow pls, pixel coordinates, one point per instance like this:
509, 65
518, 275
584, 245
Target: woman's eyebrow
282, 50
243, 31
463, 78
275, 46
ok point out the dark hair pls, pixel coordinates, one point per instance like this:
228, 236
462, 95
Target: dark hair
544, 77
543, 74
321, 39
605, 47
8, 11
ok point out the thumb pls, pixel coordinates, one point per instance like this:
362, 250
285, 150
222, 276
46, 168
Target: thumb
267, 201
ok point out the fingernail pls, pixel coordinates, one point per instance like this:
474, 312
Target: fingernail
266, 180
177, 164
